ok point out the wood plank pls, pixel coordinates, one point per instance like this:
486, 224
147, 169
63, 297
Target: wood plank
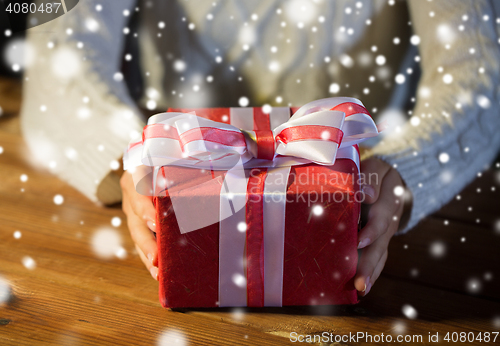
10, 96
47, 313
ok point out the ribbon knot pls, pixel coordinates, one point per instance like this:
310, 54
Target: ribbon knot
265, 144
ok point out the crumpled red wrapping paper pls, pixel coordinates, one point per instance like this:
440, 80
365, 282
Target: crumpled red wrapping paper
320, 251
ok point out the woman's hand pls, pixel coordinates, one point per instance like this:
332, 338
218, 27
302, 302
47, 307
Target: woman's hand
141, 217
384, 193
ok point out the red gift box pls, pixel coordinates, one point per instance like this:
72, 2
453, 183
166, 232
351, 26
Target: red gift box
319, 254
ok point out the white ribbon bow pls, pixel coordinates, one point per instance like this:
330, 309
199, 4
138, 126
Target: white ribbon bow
313, 134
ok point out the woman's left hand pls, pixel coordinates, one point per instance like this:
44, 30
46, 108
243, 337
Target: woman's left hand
384, 197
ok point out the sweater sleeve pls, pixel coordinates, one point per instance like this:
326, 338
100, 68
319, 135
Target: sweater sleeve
77, 116
454, 130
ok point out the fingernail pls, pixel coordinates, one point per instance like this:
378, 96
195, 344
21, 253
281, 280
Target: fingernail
363, 243
154, 273
150, 257
368, 288
367, 280
368, 190
151, 225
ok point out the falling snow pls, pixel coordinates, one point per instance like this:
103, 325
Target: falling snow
65, 63
334, 88
415, 40
242, 226
400, 78
239, 280
444, 157
380, 60
474, 285
5, 291
58, 199
447, 78
106, 243
116, 221
28, 262
409, 311
171, 337
243, 101
399, 191
483, 101
437, 249
318, 210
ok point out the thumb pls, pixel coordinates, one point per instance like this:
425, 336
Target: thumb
372, 174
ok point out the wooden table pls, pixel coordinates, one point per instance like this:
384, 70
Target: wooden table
62, 293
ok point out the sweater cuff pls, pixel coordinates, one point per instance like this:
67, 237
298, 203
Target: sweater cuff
93, 173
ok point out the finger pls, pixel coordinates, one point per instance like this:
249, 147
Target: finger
377, 271
152, 269
382, 212
143, 238
370, 256
136, 227
373, 172
141, 205
144, 208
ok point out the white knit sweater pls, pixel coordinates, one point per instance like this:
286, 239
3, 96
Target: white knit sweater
78, 116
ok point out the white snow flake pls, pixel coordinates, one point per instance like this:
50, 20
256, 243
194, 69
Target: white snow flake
317, 210
474, 285
28, 262
239, 280
58, 199
409, 311
447, 78
444, 157
172, 337
243, 101
438, 249
334, 88
106, 243
242, 226
5, 291
380, 60
399, 191
483, 101
400, 78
